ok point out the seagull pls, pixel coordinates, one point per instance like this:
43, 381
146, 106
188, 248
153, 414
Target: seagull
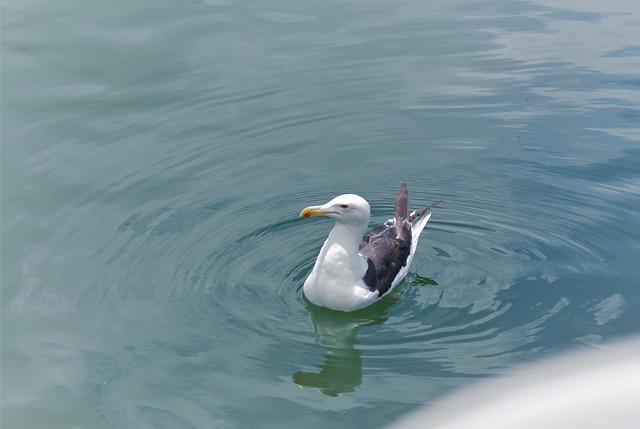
356, 267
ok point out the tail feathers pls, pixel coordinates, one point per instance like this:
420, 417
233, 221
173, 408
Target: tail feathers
404, 220
419, 213
416, 230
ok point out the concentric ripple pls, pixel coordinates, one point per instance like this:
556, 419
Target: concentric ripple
155, 158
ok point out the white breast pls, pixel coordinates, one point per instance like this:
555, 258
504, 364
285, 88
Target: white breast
336, 280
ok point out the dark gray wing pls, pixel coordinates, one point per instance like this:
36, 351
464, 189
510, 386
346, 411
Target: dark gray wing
387, 246
386, 255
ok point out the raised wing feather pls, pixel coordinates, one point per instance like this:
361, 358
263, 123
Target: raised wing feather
387, 246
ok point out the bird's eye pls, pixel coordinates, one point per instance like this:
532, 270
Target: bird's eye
344, 206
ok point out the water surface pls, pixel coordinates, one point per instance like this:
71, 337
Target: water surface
155, 157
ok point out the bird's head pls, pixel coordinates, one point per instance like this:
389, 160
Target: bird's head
347, 209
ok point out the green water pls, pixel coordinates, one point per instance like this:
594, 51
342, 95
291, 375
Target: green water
156, 154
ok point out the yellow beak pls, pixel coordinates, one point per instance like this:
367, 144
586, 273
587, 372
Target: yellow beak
308, 212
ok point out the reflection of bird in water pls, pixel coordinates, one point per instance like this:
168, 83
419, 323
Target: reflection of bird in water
341, 370
354, 269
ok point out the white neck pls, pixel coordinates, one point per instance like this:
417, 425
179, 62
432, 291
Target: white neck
347, 236
340, 251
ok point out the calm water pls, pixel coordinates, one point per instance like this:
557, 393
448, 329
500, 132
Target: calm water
156, 154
